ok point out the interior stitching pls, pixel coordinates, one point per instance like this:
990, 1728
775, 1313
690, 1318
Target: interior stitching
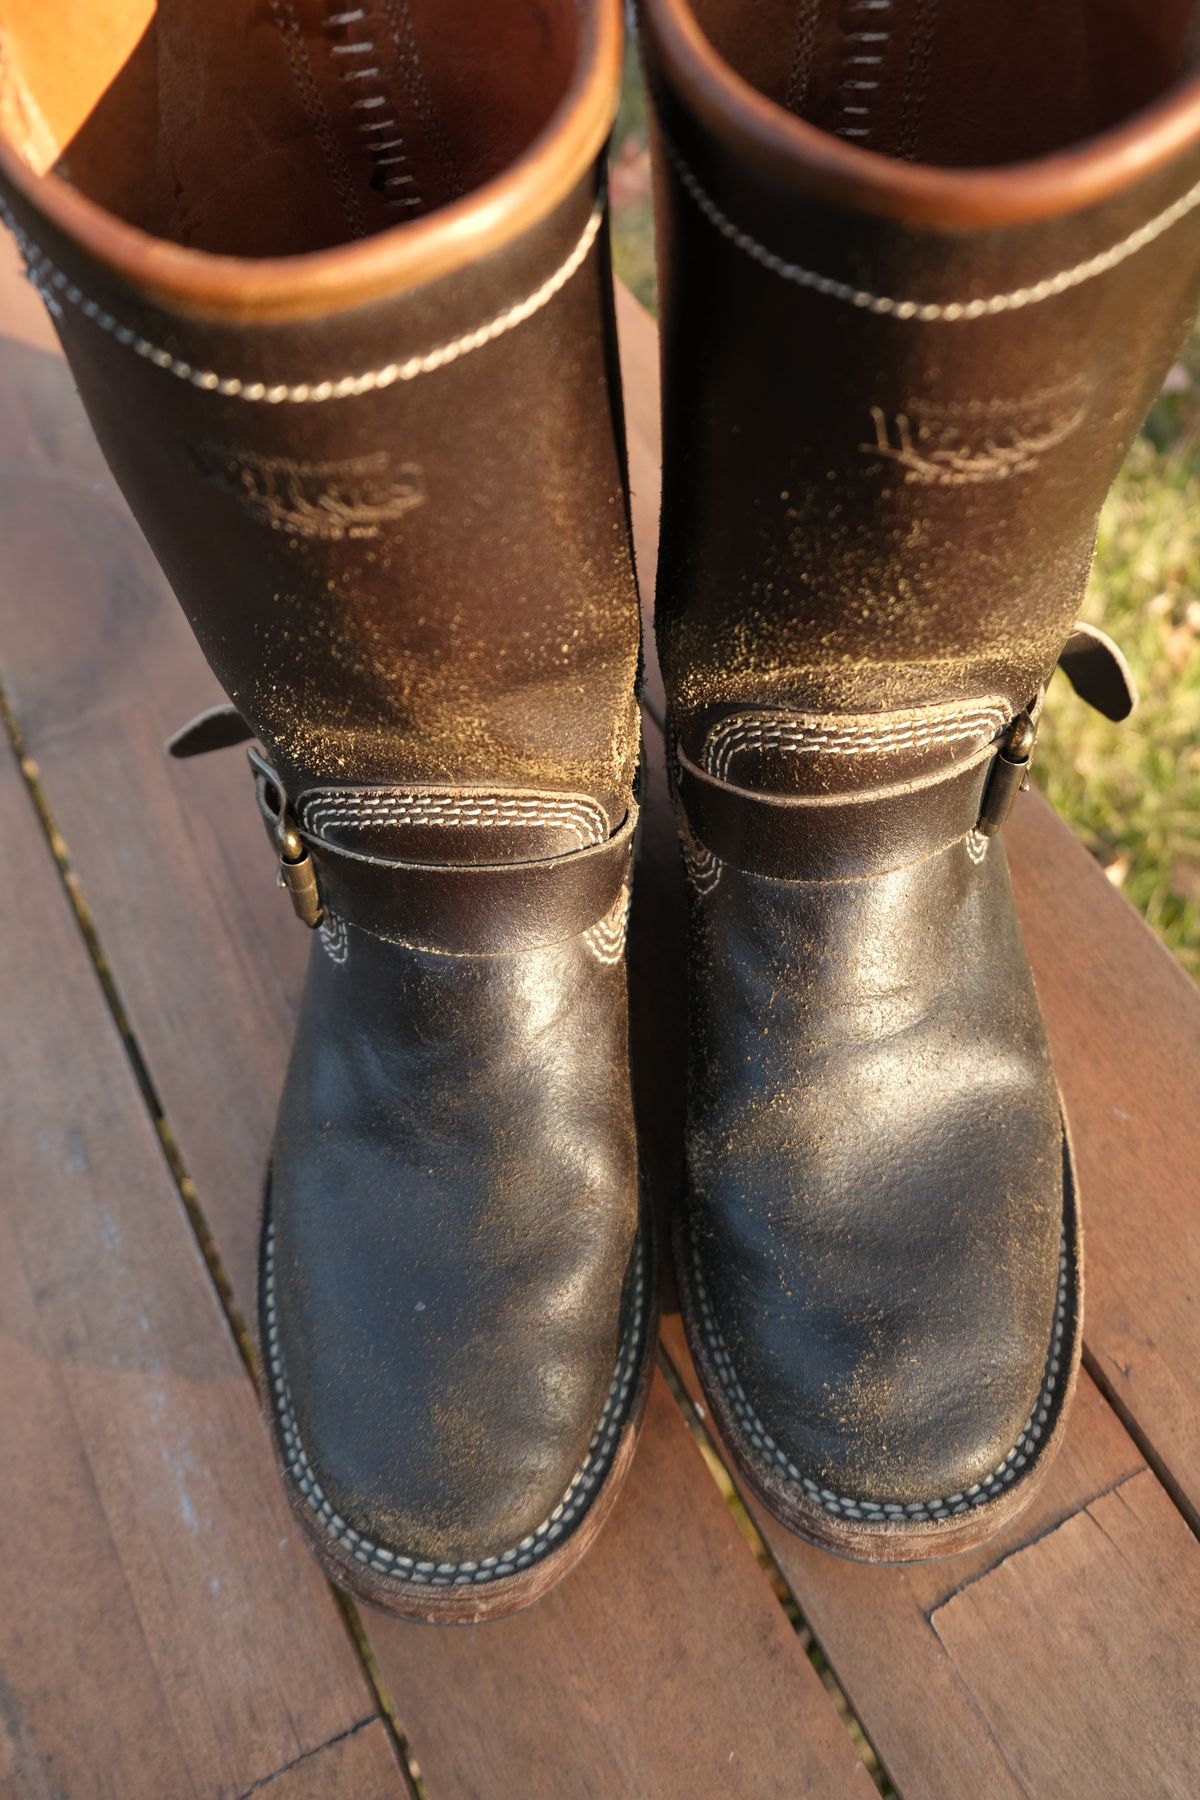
931, 311
887, 1511
801, 66
51, 282
399, 21
589, 1474
916, 84
283, 13
392, 153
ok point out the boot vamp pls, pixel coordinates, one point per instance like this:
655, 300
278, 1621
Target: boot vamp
876, 1169
454, 1208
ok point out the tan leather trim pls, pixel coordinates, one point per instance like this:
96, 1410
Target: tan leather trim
917, 193
264, 290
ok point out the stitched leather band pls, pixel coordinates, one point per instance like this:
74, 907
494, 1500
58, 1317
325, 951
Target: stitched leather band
832, 837
461, 909
476, 909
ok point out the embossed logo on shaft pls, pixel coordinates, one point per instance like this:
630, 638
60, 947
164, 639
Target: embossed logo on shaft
352, 498
955, 444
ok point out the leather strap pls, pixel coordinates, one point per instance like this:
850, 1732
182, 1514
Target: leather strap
455, 909
1096, 669
823, 836
832, 837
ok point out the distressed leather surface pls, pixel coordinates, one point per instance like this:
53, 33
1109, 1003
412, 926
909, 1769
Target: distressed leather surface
888, 432
874, 1166
454, 1193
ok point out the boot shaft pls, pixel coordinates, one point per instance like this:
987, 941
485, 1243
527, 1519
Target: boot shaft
380, 460
896, 395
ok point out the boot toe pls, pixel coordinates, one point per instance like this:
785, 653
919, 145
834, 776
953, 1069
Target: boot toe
874, 1400
432, 1462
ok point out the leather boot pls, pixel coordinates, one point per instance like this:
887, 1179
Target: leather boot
923, 270
332, 279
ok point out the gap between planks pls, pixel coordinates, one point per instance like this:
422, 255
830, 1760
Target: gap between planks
59, 852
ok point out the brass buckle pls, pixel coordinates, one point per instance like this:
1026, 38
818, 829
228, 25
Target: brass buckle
296, 871
1009, 774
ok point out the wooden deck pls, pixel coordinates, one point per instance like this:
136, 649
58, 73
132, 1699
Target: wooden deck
162, 1631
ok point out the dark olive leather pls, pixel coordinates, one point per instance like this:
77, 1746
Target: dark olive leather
894, 399
391, 498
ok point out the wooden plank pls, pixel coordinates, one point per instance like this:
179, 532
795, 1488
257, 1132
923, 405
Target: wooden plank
163, 1630
356, 1764
1124, 1025
654, 1672
1105, 1606
99, 667
925, 1718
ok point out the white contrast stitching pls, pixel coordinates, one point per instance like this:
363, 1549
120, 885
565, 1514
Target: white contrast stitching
834, 734
53, 285
334, 938
366, 47
606, 939
575, 1500
933, 311
324, 808
703, 868
886, 1511
977, 845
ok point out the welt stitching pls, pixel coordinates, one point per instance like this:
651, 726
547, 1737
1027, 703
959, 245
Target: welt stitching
931, 311
284, 15
886, 1511
52, 282
575, 1500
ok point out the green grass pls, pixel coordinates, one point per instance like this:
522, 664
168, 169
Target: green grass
1131, 792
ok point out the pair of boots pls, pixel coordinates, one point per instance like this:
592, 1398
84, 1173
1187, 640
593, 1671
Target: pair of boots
333, 281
